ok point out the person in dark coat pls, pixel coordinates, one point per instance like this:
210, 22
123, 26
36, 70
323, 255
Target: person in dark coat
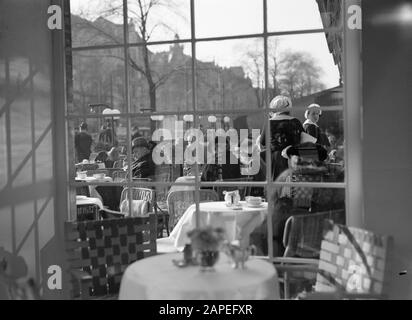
312, 114
83, 142
143, 165
285, 131
223, 168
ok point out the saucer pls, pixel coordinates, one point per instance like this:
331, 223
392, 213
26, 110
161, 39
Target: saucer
254, 205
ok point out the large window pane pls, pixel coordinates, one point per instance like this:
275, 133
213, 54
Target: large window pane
161, 78
96, 22
309, 207
98, 81
162, 20
230, 75
216, 18
303, 67
288, 15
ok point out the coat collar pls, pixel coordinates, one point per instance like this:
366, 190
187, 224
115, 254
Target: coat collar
308, 121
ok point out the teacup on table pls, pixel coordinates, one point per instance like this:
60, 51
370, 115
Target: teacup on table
81, 175
254, 201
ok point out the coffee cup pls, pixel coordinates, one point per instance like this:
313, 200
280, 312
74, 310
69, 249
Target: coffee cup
254, 200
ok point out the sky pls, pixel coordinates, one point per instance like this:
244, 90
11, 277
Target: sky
234, 17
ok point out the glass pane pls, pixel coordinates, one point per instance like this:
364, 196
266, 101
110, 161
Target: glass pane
156, 137
96, 22
216, 18
158, 20
230, 75
305, 64
308, 76
98, 81
163, 82
309, 208
288, 15
231, 153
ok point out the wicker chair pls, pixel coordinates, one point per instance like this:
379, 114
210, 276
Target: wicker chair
87, 212
179, 201
353, 264
302, 238
161, 203
136, 194
118, 164
119, 176
98, 252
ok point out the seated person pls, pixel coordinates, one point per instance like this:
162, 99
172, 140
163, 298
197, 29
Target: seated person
305, 164
143, 165
101, 156
224, 167
112, 157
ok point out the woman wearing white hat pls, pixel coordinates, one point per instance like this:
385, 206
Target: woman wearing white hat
311, 126
285, 131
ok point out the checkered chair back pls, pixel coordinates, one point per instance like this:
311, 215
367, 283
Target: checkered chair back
354, 260
302, 196
178, 202
303, 233
103, 250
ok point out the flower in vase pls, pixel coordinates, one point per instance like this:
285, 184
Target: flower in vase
207, 239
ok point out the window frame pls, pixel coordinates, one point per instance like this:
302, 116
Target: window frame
352, 141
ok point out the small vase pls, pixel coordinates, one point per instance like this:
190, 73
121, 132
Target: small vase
208, 258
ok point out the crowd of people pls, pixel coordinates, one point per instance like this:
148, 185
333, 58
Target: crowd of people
298, 151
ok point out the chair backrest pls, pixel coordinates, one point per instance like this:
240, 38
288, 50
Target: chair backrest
87, 212
105, 248
354, 260
302, 196
178, 201
139, 194
118, 164
303, 233
162, 191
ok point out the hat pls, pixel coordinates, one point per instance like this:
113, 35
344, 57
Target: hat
313, 105
280, 104
83, 126
306, 150
140, 142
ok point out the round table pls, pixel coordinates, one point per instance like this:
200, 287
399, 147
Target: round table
238, 224
157, 278
83, 200
92, 188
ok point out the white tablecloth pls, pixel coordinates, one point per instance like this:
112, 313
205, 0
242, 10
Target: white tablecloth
157, 278
238, 224
81, 200
92, 189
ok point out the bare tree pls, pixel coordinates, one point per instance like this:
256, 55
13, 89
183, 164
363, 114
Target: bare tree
143, 22
300, 74
294, 73
254, 64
